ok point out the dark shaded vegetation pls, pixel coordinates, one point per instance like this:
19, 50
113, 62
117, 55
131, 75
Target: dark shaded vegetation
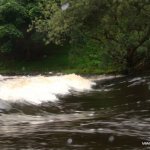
86, 36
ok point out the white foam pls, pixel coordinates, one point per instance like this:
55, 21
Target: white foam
39, 89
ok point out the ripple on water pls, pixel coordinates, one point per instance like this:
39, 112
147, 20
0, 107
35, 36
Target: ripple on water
116, 119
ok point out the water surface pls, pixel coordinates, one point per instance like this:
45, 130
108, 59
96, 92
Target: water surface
112, 114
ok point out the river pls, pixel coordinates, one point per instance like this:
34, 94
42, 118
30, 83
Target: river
70, 112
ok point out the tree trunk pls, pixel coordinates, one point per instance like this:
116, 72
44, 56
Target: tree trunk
130, 59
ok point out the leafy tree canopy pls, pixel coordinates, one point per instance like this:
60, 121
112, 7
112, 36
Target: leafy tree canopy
122, 27
15, 17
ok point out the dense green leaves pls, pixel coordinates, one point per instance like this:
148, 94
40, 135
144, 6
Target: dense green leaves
15, 17
102, 33
121, 27
10, 31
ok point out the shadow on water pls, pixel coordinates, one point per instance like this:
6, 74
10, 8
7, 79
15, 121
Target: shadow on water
113, 115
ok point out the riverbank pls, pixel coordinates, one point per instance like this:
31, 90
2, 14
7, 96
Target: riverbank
56, 63
46, 65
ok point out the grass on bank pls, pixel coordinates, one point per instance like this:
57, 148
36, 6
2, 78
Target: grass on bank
59, 63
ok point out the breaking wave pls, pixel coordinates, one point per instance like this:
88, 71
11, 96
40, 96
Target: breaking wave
39, 89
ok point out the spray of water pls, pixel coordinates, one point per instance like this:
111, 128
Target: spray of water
39, 89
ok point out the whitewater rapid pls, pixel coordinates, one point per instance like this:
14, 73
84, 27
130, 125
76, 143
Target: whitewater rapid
39, 89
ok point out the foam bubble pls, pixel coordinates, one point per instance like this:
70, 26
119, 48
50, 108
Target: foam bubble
39, 89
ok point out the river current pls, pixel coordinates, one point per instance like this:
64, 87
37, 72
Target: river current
70, 112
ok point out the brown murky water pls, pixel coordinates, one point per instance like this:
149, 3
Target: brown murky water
113, 115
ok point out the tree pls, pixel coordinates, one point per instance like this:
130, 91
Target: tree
15, 17
11, 16
121, 27
58, 23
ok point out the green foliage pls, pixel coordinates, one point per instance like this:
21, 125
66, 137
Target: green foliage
103, 34
9, 30
57, 23
15, 17
6, 47
120, 27
12, 12
91, 56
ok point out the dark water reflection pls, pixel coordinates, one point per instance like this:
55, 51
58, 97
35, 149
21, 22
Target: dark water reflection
115, 115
